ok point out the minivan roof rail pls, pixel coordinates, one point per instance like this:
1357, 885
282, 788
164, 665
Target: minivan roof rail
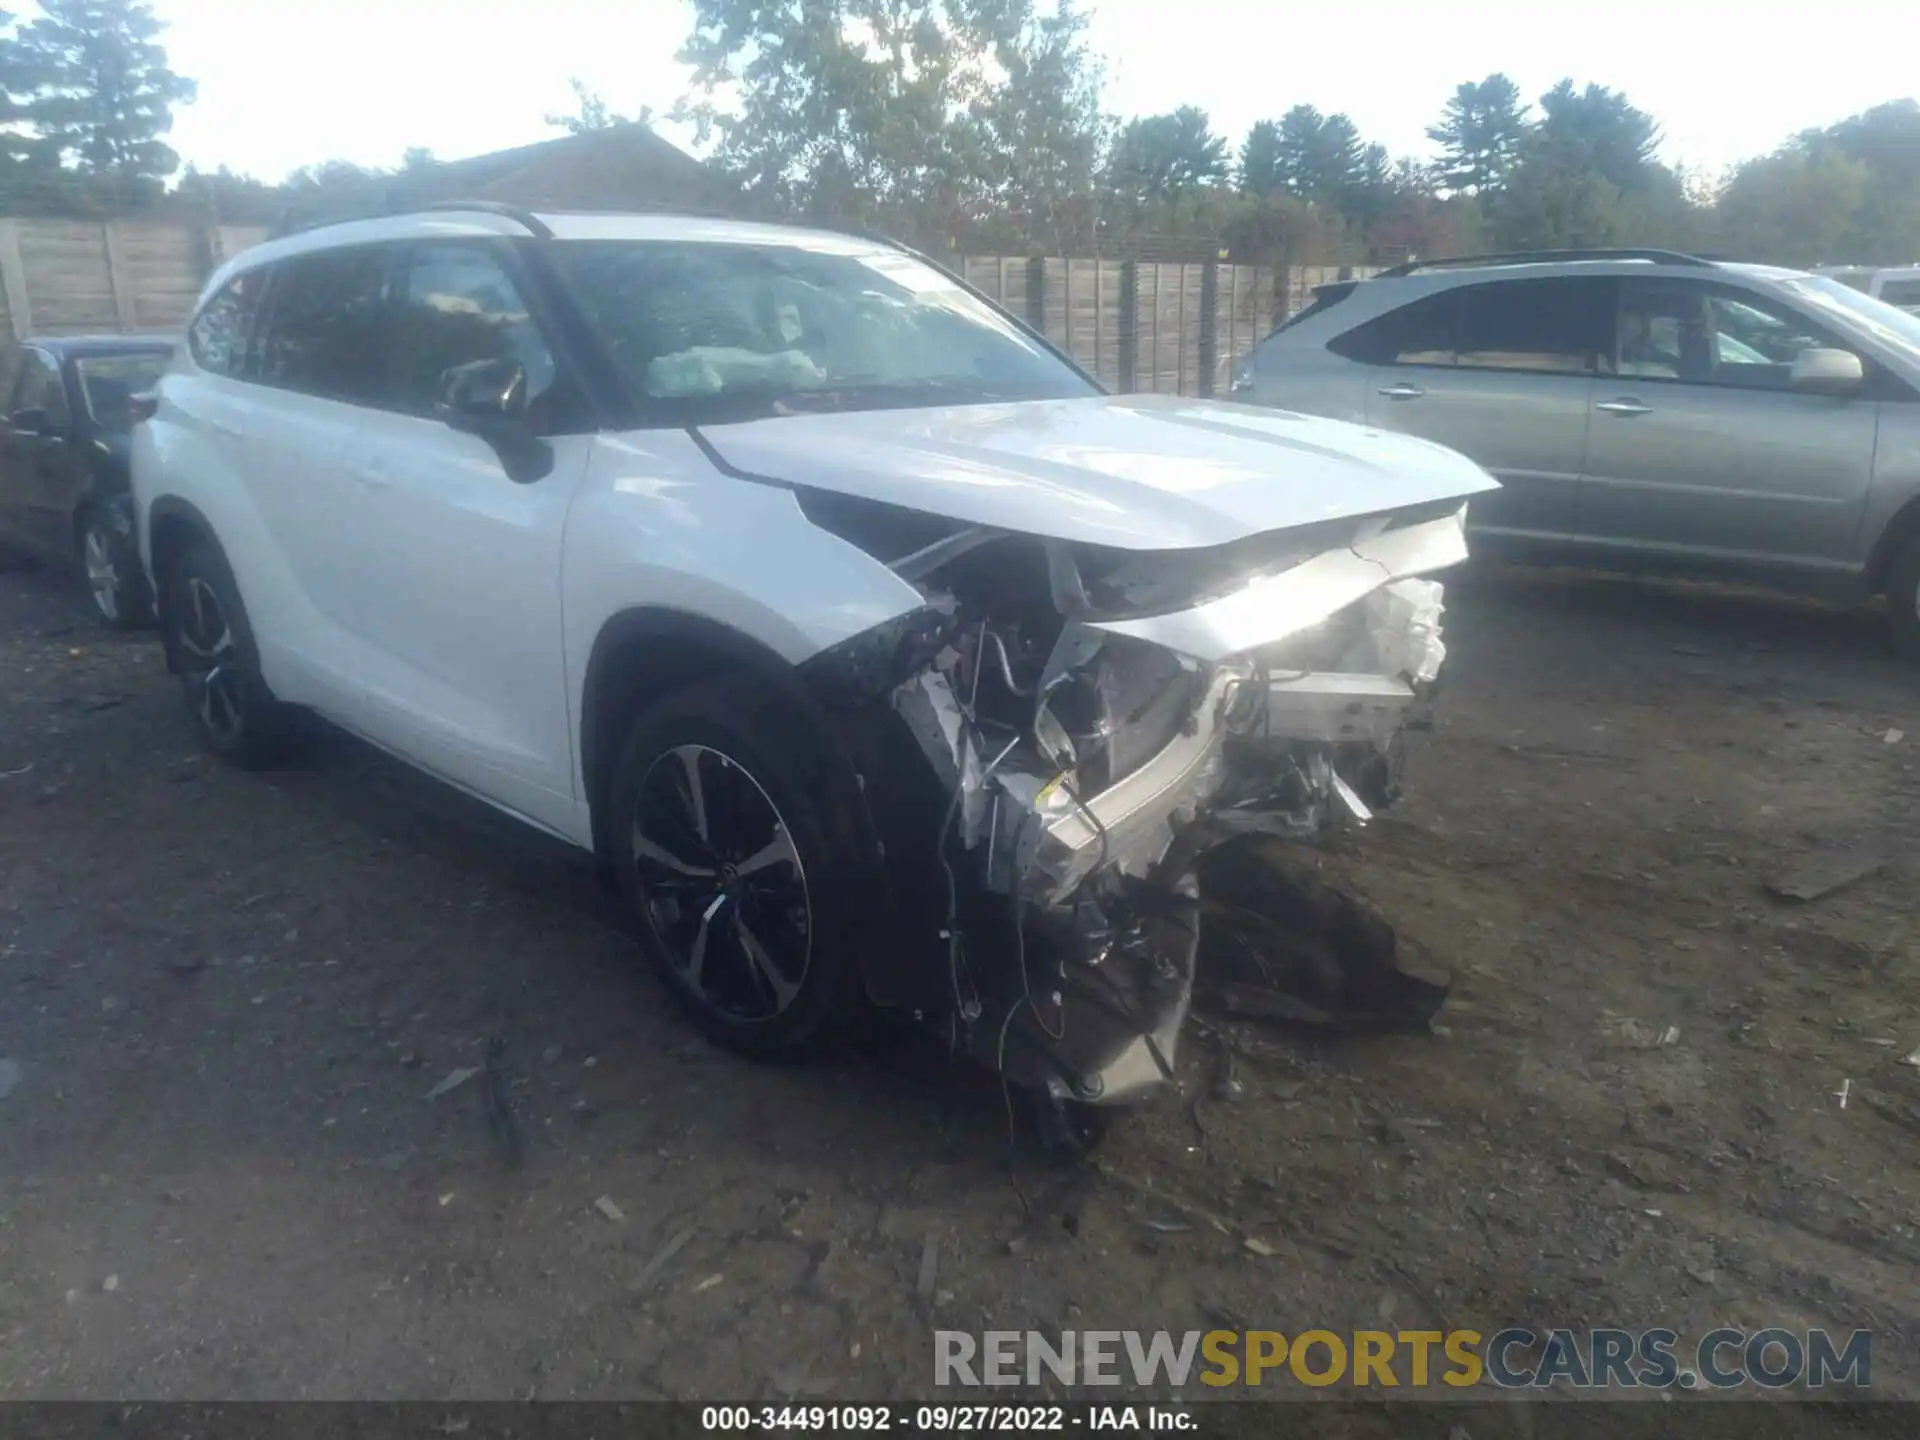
1523, 257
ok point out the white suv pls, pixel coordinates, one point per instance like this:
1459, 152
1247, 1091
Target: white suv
873, 651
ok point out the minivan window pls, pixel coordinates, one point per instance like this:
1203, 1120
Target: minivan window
1422, 333
747, 330
456, 304
326, 322
1556, 326
220, 334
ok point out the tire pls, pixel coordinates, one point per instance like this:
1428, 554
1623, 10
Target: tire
1903, 600
115, 581
207, 631
760, 945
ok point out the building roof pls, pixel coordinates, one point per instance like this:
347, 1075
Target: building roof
622, 167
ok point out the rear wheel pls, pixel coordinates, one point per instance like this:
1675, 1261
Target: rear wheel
727, 822
114, 578
207, 631
1903, 599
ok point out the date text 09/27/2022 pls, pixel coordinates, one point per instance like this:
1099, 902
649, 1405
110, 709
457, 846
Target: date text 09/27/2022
943, 1419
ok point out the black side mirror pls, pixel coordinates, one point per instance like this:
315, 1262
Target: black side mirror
31, 421
488, 399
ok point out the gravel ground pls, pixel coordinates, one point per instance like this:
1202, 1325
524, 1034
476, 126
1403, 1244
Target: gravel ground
227, 997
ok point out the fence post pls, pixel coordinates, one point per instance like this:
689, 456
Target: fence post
13, 274
1037, 293
1129, 324
119, 280
1209, 326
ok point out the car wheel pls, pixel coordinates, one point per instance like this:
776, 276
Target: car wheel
112, 566
207, 631
738, 862
1903, 599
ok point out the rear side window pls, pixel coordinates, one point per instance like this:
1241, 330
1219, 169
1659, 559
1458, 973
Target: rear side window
221, 333
1422, 333
327, 324
1555, 326
41, 388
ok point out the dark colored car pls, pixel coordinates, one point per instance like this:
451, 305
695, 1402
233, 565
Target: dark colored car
68, 407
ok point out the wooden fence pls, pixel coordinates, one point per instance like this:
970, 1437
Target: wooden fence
77, 277
1135, 325
1172, 328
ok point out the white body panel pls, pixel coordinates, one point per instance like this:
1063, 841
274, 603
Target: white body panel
1135, 472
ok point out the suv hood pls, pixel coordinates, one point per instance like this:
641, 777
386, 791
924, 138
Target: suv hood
1131, 472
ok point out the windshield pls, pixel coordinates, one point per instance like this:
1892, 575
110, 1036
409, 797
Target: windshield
1902, 293
716, 331
1890, 326
110, 381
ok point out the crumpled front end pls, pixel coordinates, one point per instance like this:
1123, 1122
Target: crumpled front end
1086, 725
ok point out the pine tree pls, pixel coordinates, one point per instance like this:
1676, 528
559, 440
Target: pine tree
98, 92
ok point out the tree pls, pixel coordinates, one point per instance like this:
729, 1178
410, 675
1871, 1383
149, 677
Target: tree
1318, 155
99, 91
918, 110
1479, 134
1259, 168
592, 113
1163, 156
1585, 175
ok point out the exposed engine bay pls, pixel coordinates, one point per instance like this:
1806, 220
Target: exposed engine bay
1050, 747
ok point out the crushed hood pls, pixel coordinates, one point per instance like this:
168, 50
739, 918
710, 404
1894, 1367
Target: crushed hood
1131, 472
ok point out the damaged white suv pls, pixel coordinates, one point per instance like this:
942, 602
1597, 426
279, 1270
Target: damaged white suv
876, 654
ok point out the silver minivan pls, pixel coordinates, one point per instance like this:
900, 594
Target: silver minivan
1641, 409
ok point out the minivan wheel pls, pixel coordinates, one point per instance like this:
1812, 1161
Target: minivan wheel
728, 848
207, 631
1903, 600
112, 566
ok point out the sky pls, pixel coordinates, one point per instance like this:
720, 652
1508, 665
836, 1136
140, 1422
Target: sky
363, 80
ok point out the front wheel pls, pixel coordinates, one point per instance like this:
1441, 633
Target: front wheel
208, 634
112, 565
1903, 599
730, 841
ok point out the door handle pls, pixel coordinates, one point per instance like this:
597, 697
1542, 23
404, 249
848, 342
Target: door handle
1624, 407
1402, 391
374, 477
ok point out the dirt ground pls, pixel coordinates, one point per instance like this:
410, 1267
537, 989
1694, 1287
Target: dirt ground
228, 996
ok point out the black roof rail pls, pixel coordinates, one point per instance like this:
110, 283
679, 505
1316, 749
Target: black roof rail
537, 227
1524, 257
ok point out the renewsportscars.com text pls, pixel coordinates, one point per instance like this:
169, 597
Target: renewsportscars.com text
1513, 1358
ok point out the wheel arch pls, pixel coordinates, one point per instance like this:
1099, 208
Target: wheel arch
173, 525
640, 656
1900, 531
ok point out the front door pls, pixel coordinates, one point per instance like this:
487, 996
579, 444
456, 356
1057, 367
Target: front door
1503, 373
1700, 446
464, 667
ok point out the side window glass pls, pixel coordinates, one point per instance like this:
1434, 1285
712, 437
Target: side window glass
326, 320
458, 305
1421, 333
1755, 344
41, 388
1556, 326
1663, 333
223, 330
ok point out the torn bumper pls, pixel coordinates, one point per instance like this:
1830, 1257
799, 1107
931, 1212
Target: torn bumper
1084, 775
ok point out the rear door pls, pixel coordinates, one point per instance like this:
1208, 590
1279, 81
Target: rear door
1502, 372
317, 357
1700, 446
42, 459
458, 589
